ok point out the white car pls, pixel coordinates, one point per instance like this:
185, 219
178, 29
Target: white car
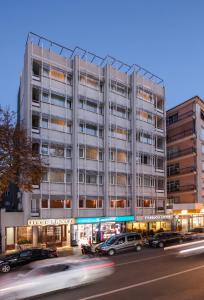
62, 274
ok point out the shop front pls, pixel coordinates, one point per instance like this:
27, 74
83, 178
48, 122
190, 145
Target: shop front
18, 237
185, 220
97, 229
153, 223
50, 232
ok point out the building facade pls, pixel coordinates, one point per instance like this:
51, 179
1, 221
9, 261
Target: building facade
185, 163
100, 127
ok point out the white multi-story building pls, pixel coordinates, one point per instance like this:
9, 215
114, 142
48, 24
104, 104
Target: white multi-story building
99, 125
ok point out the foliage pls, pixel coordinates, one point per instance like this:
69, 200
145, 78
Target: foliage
19, 164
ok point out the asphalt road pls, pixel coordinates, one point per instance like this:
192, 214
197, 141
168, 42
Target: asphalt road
152, 274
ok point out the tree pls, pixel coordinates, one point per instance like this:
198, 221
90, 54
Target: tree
20, 164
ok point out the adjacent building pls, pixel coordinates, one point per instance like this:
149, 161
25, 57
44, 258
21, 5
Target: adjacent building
185, 163
100, 127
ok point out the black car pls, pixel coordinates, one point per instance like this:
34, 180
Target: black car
24, 257
163, 239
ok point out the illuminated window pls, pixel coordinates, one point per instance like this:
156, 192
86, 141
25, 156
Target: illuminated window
121, 156
119, 203
119, 133
67, 203
90, 81
44, 203
145, 94
57, 150
92, 153
58, 124
145, 116
57, 74
54, 203
120, 88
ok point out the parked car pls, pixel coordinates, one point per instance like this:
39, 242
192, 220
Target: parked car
59, 274
163, 239
120, 243
24, 257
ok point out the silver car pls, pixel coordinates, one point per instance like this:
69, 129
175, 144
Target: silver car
121, 242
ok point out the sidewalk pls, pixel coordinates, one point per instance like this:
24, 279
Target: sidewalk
66, 251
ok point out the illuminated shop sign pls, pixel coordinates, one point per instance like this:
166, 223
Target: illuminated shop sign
45, 222
104, 219
154, 218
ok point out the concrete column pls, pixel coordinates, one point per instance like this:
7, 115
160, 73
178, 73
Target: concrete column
35, 236
106, 139
133, 141
75, 130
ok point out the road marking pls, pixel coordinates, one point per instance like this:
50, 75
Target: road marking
139, 260
142, 283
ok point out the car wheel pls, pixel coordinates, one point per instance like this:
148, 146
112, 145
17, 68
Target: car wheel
5, 269
161, 245
111, 252
138, 248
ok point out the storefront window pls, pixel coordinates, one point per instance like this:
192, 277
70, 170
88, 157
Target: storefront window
90, 203
10, 237
24, 234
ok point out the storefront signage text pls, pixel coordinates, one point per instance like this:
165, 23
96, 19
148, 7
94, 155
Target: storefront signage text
154, 218
45, 222
104, 219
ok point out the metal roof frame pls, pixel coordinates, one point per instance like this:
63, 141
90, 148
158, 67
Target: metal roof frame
91, 57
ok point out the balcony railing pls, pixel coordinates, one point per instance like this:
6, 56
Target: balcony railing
181, 171
181, 153
184, 188
183, 116
180, 135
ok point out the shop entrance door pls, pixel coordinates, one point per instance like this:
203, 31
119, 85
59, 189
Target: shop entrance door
53, 236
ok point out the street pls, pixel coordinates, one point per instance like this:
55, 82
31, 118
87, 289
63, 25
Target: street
149, 274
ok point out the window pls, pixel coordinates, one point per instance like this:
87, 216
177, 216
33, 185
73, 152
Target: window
57, 176
120, 88
145, 116
100, 155
45, 96
121, 156
54, 203
202, 114
119, 133
35, 122
36, 69
57, 100
91, 129
57, 74
173, 186
91, 179
81, 202
67, 203
81, 177
26, 253
46, 70
69, 103
112, 155
57, 150
58, 124
145, 159
35, 95
90, 81
172, 119
44, 122
91, 203
160, 143
144, 137
68, 152
145, 94
119, 111
119, 203
202, 149
81, 152
159, 103
100, 179
120, 241
160, 163
119, 179
68, 177
35, 148
44, 149
92, 153
44, 203
45, 176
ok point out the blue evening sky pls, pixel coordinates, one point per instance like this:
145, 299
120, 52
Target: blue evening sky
164, 36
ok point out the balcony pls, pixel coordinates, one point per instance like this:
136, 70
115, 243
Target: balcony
180, 136
182, 189
181, 171
181, 117
179, 153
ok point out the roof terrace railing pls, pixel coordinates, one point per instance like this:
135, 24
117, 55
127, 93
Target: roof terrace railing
91, 57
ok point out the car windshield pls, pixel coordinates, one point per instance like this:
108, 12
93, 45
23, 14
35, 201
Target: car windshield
111, 240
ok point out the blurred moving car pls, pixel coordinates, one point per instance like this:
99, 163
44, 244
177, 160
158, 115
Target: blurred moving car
24, 257
163, 239
195, 233
121, 242
48, 277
